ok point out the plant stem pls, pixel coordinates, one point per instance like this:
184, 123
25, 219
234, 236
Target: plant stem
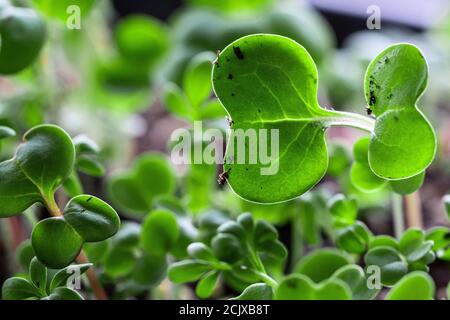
350, 119
397, 215
95, 284
267, 279
413, 209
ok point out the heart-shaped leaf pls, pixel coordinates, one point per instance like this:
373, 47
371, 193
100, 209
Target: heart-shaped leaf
19, 289
150, 269
403, 143
160, 231
92, 218
135, 189
55, 243
354, 238
415, 286
392, 265
41, 164
300, 287
270, 82
343, 210
320, 264
256, 291
354, 276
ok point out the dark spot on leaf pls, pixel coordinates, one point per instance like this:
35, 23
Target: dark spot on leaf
291, 283
223, 177
232, 94
228, 59
396, 118
369, 111
246, 169
386, 60
90, 198
238, 53
372, 98
259, 110
389, 97
447, 236
230, 76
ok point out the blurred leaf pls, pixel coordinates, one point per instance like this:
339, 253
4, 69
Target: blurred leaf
197, 78
354, 238
339, 160
343, 210
61, 277
415, 286
187, 271
256, 291
392, 265
64, 294
160, 231
90, 166
24, 254
6, 132
150, 269
19, 289
320, 264
407, 186
207, 284
354, 276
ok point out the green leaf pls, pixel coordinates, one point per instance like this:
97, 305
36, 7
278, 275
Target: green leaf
197, 78
407, 186
176, 102
232, 5
200, 251
19, 289
92, 218
61, 277
256, 291
119, 262
361, 174
441, 241
392, 265
384, 241
415, 286
320, 264
343, 210
46, 157
404, 142
135, 189
23, 35
207, 284
270, 82
55, 243
339, 160
72, 185
6, 132
84, 145
150, 269
24, 254
354, 276
300, 287
64, 294
38, 274
90, 166
141, 38
160, 231
187, 271
413, 245
58, 10
354, 238
96, 251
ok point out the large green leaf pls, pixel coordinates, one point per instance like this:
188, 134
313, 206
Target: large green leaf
55, 243
19, 289
92, 218
23, 34
41, 164
270, 82
403, 143
415, 286
160, 231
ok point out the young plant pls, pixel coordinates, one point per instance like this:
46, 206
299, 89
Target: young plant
280, 79
41, 164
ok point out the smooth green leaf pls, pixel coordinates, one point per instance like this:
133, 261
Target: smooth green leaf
413, 245
38, 274
200, 251
6, 132
404, 142
361, 174
55, 243
270, 82
415, 286
24, 254
321, 264
160, 231
407, 186
61, 277
92, 218
64, 294
90, 166
354, 238
119, 262
176, 102
392, 265
339, 160
19, 289
300, 287
354, 276
23, 35
207, 284
150, 269
197, 78
384, 241
187, 271
256, 291
441, 241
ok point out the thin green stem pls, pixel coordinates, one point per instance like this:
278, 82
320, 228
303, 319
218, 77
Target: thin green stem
397, 215
267, 279
350, 119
